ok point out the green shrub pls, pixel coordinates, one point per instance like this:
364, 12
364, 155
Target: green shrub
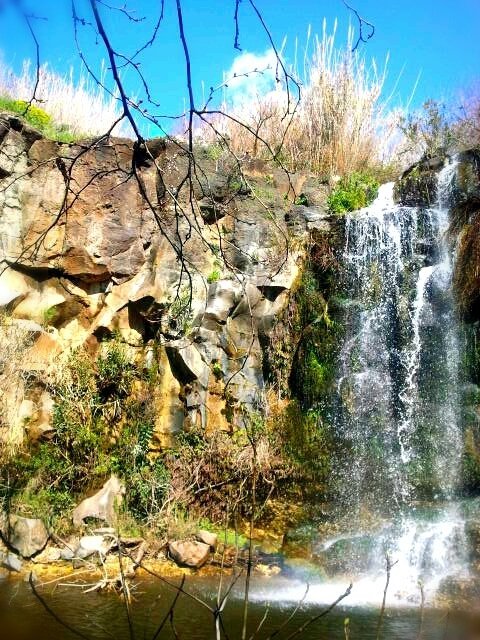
114, 372
214, 276
46, 503
102, 425
49, 316
148, 487
302, 199
217, 370
38, 118
353, 192
180, 311
34, 115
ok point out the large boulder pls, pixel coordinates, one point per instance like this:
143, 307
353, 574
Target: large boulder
27, 536
187, 363
102, 505
222, 298
189, 553
108, 224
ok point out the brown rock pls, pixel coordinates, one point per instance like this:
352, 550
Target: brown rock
189, 553
207, 537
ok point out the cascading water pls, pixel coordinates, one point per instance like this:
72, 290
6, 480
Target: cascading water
396, 407
398, 404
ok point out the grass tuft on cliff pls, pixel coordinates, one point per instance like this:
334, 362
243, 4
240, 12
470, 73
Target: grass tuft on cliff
38, 118
353, 192
74, 105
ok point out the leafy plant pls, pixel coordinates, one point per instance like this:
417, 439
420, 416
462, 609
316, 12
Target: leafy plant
353, 192
180, 312
38, 118
102, 424
34, 115
214, 276
114, 372
217, 370
301, 199
430, 130
214, 152
48, 316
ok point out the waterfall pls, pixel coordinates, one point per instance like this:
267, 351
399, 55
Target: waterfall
395, 412
397, 405
397, 401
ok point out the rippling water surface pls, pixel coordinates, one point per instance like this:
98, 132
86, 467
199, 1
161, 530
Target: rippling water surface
102, 616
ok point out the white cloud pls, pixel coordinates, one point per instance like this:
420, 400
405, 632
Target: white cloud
250, 75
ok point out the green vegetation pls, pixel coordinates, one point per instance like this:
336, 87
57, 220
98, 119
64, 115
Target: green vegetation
48, 316
430, 131
38, 118
180, 311
314, 364
33, 115
353, 192
265, 194
103, 424
302, 199
307, 444
214, 152
217, 370
214, 276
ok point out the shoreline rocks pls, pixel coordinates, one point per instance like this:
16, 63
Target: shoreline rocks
189, 553
27, 536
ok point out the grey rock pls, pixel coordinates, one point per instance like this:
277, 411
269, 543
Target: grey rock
222, 298
102, 504
67, 554
187, 363
90, 545
27, 536
11, 562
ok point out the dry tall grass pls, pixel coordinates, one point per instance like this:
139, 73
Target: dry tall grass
343, 123
82, 106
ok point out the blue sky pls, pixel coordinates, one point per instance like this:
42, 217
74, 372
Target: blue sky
439, 39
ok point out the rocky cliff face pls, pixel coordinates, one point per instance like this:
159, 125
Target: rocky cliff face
90, 249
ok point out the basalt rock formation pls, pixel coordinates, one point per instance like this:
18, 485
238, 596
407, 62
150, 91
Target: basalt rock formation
90, 248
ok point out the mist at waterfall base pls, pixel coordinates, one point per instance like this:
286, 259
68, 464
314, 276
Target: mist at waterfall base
396, 410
